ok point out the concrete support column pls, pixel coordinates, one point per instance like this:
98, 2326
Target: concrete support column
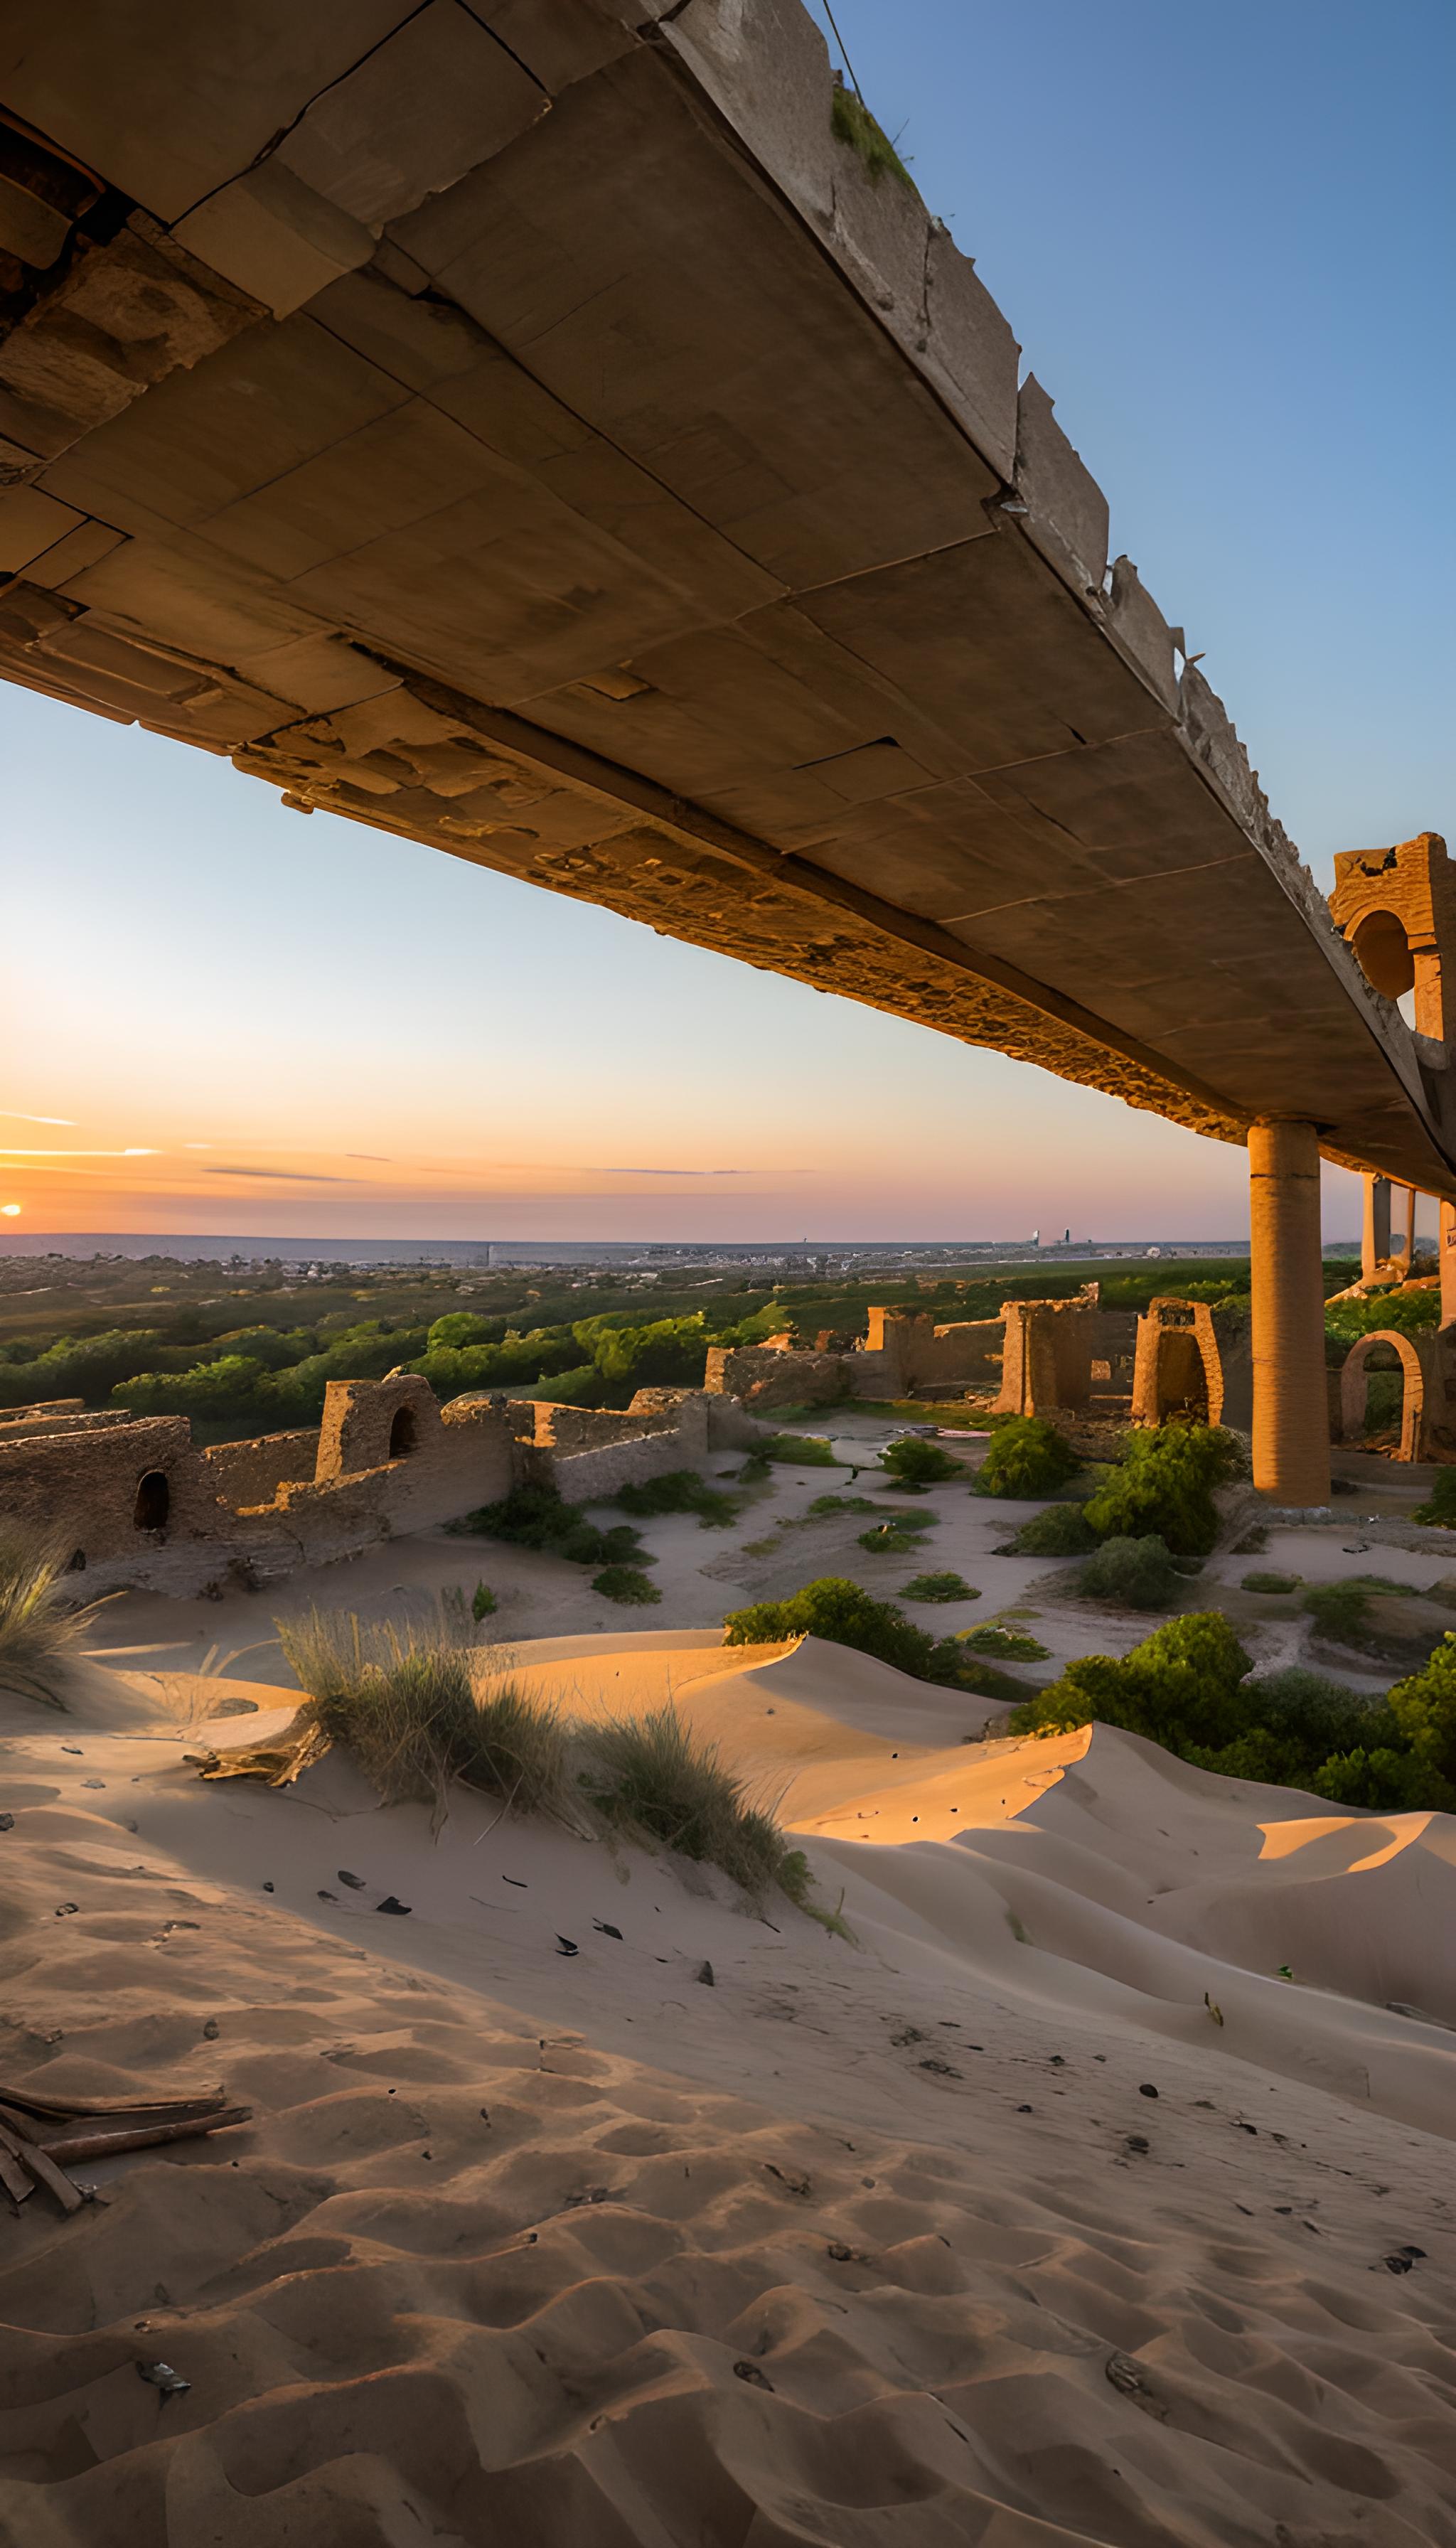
1291, 1428
1375, 1241
1446, 1246
1407, 1244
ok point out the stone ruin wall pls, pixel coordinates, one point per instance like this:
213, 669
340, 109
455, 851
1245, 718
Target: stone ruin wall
255, 1510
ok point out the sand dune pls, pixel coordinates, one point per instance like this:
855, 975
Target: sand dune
883, 2244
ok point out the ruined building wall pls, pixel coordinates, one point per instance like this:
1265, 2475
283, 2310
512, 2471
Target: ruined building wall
762, 1377
251, 1473
1046, 1363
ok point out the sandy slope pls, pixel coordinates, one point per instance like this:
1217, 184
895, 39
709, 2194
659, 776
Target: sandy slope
879, 2244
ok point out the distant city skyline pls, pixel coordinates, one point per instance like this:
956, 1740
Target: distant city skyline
1246, 325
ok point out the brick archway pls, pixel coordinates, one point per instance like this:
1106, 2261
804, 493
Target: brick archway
1412, 1402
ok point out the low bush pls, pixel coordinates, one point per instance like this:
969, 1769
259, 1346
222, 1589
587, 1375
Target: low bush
1062, 1530
802, 1450
482, 1603
823, 1506
1027, 1458
40, 1630
1165, 1484
914, 1462
625, 1584
891, 1539
946, 1586
538, 1518
1135, 1574
844, 1614
680, 1491
1008, 1645
1439, 1506
1267, 1583
1340, 1611
1187, 1688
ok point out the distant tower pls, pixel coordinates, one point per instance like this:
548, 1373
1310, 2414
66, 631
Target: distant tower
1036, 1238
1067, 1235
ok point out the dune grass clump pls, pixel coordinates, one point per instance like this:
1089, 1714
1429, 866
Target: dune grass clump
680, 1491
944, 1586
402, 1703
650, 1775
625, 1584
40, 1630
1263, 1581
1136, 1574
1027, 1458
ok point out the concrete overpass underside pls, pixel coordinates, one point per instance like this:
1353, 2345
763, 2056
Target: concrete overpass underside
535, 430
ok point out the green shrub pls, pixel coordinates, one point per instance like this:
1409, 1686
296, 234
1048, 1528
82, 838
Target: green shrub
823, 1506
1187, 1688
1439, 1506
1008, 1645
625, 1584
1340, 1611
680, 1491
482, 1603
840, 1611
801, 1450
1027, 1458
1136, 1574
914, 1462
947, 1586
537, 1517
40, 1630
1165, 1484
891, 1539
1062, 1530
1265, 1583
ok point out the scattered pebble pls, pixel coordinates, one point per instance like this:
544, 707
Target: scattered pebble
1147, 2089
392, 1904
355, 1883
63, 1910
605, 1929
566, 1946
326, 1897
212, 2030
704, 1972
267, 1886
750, 2371
163, 2377
7, 1822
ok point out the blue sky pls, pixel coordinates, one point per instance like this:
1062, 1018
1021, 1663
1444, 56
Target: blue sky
1223, 240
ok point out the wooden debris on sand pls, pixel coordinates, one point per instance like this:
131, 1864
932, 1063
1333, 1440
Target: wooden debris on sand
42, 2136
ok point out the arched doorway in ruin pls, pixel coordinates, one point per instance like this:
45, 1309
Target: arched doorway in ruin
154, 1501
1386, 1350
404, 1433
1178, 1371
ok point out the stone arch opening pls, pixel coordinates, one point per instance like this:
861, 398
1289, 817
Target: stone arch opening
1182, 1375
1383, 952
154, 1501
1386, 1349
404, 1433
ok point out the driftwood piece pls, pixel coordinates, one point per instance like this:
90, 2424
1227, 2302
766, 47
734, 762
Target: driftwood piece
279, 1763
41, 2137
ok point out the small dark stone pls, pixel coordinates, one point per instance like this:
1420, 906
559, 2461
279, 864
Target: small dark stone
392, 1904
705, 1973
605, 1929
1147, 2089
1398, 2264
566, 1946
212, 2031
355, 1883
267, 1886
1136, 2141
63, 1910
333, 1897
1022, 2110
750, 2371
7, 1822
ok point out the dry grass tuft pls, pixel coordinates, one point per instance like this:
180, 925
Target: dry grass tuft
40, 1629
649, 1775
